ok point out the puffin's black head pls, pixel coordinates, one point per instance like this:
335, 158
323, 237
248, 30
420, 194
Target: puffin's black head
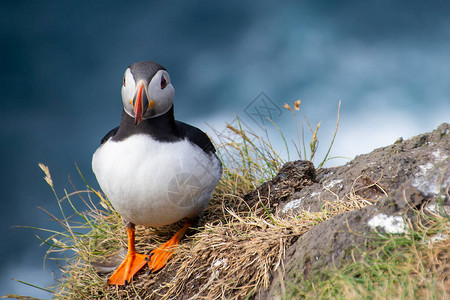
146, 91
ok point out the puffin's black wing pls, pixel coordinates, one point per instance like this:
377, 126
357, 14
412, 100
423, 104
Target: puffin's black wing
109, 135
196, 136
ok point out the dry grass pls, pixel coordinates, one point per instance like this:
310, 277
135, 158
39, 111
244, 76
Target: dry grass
236, 257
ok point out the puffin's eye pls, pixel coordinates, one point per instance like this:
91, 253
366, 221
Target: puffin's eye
124, 81
163, 82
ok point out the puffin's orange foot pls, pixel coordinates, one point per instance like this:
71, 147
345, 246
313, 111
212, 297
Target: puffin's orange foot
130, 266
161, 255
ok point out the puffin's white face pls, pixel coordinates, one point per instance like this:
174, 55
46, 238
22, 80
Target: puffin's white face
145, 98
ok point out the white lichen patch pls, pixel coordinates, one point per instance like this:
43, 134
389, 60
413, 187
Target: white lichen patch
427, 185
428, 178
432, 208
424, 169
333, 183
390, 224
439, 156
313, 194
291, 205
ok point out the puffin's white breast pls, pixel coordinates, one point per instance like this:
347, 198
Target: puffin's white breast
156, 183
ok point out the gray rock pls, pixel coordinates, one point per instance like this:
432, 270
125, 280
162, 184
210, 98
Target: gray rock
397, 178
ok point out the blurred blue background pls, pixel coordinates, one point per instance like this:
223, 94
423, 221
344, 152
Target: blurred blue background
62, 64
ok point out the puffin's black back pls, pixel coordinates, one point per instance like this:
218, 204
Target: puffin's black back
195, 136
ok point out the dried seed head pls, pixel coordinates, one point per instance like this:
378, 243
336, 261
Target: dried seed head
47, 177
287, 106
297, 104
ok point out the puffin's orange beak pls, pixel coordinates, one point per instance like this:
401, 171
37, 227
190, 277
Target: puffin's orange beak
140, 103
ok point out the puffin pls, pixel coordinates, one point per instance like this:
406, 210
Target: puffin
154, 169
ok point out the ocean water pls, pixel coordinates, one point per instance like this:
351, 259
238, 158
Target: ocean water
62, 65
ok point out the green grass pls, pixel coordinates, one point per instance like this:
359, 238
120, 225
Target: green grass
409, 266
